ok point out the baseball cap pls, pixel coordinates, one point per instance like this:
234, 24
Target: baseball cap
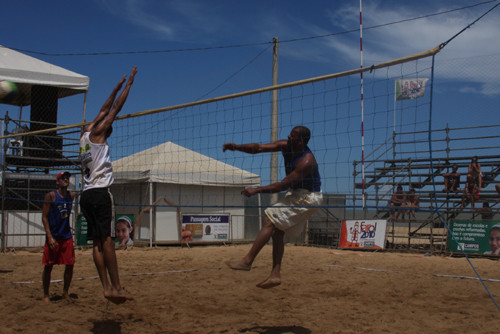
61, 174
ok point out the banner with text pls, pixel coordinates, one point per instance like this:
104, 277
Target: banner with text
475, 237
205, 227
407, 89
81, 231
364, 234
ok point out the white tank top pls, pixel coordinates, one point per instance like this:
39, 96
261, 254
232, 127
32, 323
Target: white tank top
96, 166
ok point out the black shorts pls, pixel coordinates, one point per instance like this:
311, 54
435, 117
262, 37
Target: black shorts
98, 209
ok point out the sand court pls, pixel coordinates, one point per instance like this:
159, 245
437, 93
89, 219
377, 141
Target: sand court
191, 290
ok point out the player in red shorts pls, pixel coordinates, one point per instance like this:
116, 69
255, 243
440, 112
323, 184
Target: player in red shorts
58, 247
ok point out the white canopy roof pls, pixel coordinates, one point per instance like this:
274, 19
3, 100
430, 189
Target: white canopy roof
171, 163
26, 71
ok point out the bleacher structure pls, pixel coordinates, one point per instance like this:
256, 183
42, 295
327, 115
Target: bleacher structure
437, 206
30, 162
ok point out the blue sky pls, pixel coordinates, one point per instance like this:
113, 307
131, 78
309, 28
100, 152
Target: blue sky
99, 26
465, 66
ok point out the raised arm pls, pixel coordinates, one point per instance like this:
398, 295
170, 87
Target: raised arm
106, 117
106, 106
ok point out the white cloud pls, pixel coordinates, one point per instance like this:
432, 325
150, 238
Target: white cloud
210, 23
415, 36
458, 60
178, 20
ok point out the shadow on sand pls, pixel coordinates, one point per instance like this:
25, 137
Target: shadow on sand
276, 330
107, 327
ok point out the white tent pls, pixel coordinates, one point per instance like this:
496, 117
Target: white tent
171, 163
190, 182
26, 71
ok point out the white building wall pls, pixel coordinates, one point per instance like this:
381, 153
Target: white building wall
194, 199
25, 229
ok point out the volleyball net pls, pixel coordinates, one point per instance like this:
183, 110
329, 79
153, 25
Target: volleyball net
184, 144
169, 161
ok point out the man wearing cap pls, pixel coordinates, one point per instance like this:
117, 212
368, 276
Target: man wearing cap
58, 247
96, 200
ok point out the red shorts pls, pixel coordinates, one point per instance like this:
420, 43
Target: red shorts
64, 253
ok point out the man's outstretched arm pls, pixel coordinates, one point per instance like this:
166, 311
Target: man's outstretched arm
255, 148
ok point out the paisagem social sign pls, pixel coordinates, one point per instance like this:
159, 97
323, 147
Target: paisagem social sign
206, 227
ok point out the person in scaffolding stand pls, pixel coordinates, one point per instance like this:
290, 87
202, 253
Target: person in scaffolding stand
475, 173
398, 199
451, 180
413, 202
471, 192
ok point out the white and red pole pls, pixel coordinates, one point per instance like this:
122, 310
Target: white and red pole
362, 104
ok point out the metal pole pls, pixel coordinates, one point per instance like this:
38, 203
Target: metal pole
4, 148
151, 212
354, 190
274, 119
84, 107
363, 199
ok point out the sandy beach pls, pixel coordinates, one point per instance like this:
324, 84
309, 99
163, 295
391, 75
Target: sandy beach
190, 290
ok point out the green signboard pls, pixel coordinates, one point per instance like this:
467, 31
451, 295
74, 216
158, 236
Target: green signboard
81, 231
473, 236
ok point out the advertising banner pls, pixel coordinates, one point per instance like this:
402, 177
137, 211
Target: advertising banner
363, 234
475, 237
81, 231
124, 229
407, 89
205, 227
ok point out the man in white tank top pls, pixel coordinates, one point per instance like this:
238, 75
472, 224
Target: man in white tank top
96, 200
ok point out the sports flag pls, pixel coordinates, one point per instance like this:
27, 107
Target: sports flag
407, 89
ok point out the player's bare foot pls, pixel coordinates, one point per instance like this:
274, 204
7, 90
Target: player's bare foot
46, 299
238, 265
118, 296
269, 283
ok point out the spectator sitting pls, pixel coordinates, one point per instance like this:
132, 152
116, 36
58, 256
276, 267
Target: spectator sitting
398, 199
413, 202
451, 180
471, 192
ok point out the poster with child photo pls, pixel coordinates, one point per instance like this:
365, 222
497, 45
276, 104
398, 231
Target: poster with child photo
124, 230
